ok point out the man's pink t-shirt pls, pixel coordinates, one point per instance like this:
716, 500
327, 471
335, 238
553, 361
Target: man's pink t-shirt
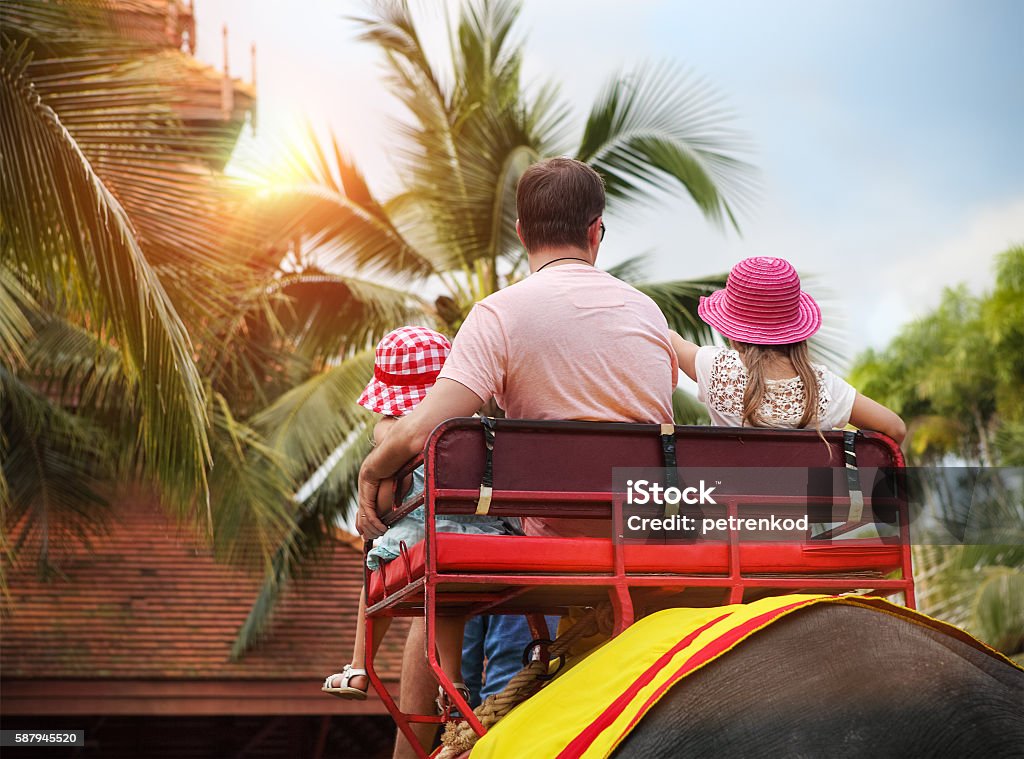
570, 342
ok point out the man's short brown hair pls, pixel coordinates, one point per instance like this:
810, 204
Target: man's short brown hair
557, 200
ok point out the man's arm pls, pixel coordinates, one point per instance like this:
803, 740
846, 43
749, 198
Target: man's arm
446, 399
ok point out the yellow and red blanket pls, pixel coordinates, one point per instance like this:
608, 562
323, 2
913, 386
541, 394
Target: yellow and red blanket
603, 697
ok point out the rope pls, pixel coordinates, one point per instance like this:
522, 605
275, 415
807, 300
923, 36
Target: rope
460, 737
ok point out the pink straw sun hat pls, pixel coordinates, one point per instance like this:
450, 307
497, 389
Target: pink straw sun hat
405, 366
762, 303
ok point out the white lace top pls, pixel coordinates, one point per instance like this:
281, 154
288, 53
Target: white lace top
722, 379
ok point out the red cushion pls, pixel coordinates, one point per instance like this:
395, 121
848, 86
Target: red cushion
491, 553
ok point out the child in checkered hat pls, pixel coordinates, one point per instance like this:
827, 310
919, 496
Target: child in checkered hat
406, 364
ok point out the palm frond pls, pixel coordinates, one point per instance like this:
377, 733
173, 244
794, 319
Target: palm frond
84, 374
63, 227
130, 109
254, 511
79, 370
495, 150
828, 344
998, 610
339, 232
688, 410
54, 465
319, 429
149, 120
325, 314
283, 331
325, 499
633, 269
678, 300
74, 26
488, 55
660, 127
248, 358
468, 190
249, 484
15, 328
466, 143
311, 420
417, 84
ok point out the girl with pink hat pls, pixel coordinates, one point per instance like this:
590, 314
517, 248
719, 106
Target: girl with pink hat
407, 362
766, 378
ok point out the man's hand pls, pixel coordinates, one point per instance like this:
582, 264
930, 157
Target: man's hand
367, 523
405, 439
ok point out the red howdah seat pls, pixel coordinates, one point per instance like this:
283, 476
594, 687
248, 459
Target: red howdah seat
576, 469
496, 554
567, 469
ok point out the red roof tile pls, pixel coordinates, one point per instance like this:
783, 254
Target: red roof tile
150, 602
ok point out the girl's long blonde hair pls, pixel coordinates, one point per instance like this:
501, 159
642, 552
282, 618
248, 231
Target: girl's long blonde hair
756, 359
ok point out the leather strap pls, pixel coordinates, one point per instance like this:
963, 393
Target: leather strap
853, 477
483, 504
668, 457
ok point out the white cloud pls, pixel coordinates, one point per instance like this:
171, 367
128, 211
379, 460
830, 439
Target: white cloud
910, 282
873, 272
966, 258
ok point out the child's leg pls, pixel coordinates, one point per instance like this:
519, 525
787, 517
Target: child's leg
450, 631
380, 628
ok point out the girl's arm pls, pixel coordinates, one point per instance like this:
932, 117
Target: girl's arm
387, 498
686, 353
872, 415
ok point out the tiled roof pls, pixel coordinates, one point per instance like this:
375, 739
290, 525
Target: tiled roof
149, 602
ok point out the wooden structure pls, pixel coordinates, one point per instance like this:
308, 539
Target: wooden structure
139, 629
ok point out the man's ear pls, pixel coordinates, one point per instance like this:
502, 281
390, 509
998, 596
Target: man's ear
519, 233
594, 238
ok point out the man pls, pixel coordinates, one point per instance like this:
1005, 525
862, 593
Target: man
568, 342
492, 652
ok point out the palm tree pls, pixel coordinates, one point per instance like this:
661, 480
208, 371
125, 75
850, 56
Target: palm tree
955, 375
118, 253
468, 137
160, 323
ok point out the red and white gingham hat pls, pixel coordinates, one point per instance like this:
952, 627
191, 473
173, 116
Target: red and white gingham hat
405, 367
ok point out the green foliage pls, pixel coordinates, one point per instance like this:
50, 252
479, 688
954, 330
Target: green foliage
119, 259
67, 238
957, 376
660, 127
55, 467
688, 410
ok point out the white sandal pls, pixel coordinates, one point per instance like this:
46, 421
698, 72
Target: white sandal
345, 690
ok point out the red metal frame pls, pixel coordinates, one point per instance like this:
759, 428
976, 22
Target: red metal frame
427, 596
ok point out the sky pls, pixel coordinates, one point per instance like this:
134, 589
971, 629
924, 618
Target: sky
887, 136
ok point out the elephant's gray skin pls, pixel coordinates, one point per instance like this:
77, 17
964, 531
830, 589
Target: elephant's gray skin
840, 681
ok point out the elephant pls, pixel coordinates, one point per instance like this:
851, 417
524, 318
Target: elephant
840, 681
